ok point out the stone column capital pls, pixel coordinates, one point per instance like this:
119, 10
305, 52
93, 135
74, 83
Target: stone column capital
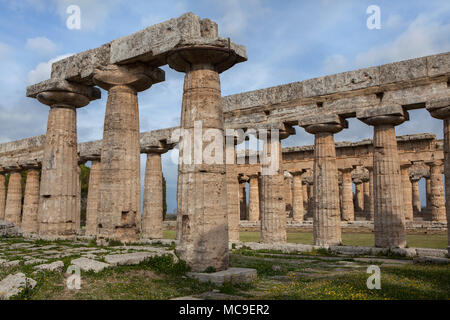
405, 165
439, 108
345, 170
216, 55
62, 93
137, 76
382, 115
434, 163
331, 123
266, 130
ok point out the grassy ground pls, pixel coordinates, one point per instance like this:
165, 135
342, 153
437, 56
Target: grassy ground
437, 241
315, 275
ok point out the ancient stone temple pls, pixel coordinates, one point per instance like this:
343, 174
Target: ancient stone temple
329, 184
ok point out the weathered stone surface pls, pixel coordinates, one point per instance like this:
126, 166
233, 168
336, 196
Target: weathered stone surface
2, 196
233, 275
14, 284
128, 258
437, 192
432, 260
14, 199
93, 199
253, 202
60, 85
298, 209
407, 192
56, 266
31, 203
34, 261
347, 207
86, 264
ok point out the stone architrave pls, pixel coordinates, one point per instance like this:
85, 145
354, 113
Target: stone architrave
59, 188
389, 219
202, 192
31, 203
119, 214
326, 215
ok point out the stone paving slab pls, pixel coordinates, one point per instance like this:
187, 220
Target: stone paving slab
86, 264
14, 284
233, 275
56, 266
128, 258
34, 261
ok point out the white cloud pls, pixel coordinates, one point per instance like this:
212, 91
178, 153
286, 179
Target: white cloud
43, 70
424, 36
335, 63
42, 46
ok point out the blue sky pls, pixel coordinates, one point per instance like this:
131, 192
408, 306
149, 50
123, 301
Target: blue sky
286, 41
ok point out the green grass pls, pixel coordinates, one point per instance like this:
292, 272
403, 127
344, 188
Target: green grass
437, 241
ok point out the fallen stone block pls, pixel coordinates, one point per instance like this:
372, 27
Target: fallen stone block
86, 264
128, 258
34, 261
432, 260
233, 275
14, 284
56, 266
8, 264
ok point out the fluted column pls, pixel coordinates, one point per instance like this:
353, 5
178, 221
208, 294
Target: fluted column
407, 195
359, 195
31, 203
371, 209
2, 195
347, 209
440, 109
202, 192
13, 207
298, 210
415, 195
437, 191
59, 187
93, 199
273, 205
366, 191
77, 217
253, 203
305, 197
119, 214
326, 215
428, 192
288, 192
389, 220
233, 201
243, 197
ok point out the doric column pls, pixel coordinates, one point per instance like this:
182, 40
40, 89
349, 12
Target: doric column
407, 195
359, 195
428, 192
298, 210
371, 209
415, 195
152, 215
243, 197
305, 197
2, 195
440, 109
119, 214
288, 192
58, 208
389, 220
310, 198
31, 202
253, 202
326, 215
77, 218
13, 207
233, 200
347, 209
93, 199
437, 200
202, 192
273, 205
366, 191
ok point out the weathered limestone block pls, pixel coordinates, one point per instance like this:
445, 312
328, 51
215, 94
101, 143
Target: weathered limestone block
57, 266
86, 264
253, 203
202, 191
407, 192
415, 195
326, 215
31, 203
93, 199
298, 209
152, 217
389, 219
437, 200
58, 207
2, 196
119, 214
347, 208
14, 284
13, 207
